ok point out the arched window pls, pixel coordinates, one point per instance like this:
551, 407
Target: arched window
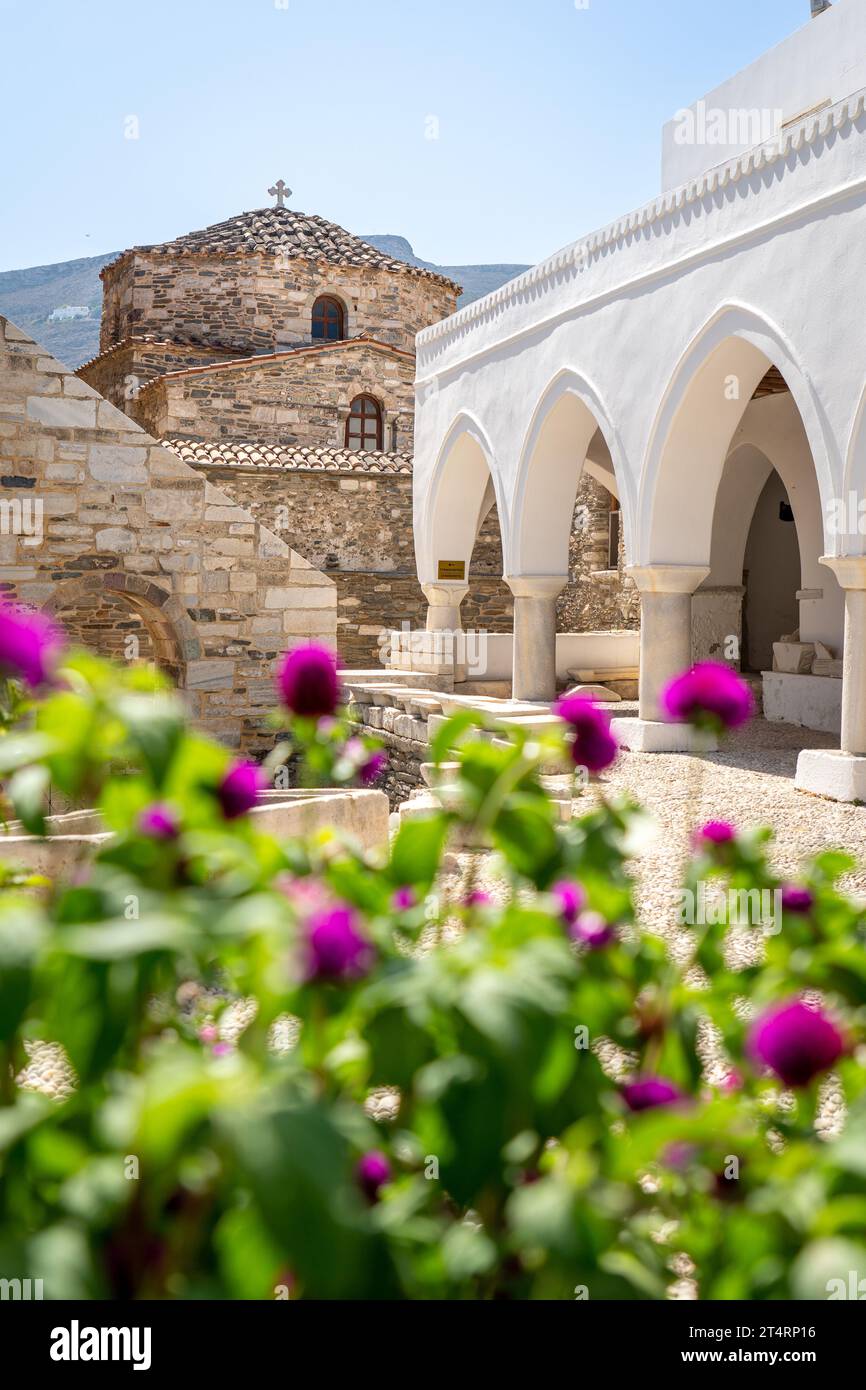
364, 425
329, 322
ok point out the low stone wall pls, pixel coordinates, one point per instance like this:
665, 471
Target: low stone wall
404, 739
75, 837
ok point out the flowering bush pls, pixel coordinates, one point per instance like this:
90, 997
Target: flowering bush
229, 1005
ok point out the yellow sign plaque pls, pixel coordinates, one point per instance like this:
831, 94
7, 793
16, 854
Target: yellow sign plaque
452, 569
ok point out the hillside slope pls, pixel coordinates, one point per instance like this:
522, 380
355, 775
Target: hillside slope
34, 298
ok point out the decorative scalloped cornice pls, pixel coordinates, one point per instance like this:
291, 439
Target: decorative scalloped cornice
803, 133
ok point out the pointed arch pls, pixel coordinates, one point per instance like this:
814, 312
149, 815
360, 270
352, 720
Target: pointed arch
568, 414
463, 488
708, 394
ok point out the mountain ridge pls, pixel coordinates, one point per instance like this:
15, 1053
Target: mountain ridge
34, 296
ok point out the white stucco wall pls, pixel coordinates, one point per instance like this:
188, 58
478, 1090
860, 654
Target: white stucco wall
824, 60
656, 330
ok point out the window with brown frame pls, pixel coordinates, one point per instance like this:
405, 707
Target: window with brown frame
364, 424
613, 530
329, 320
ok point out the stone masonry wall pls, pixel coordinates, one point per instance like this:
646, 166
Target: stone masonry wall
358, 529
94, 509
596, 598
120, 374
259, 302
300, 398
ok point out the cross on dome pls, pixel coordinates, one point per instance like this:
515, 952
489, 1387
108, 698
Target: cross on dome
280, 191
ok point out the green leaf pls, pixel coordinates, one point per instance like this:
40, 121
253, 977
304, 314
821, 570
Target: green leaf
249, 1259
22, 933
18, 1119
417, 850
28, 791
155, 727
467, 1252
449, 734
120, 940
628, 1267
16, 750
823, 1268
525, 833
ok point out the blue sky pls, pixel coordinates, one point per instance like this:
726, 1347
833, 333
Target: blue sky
549, 114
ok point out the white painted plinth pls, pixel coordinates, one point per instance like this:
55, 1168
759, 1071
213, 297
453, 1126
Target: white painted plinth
828, 772
656, 736
812, 702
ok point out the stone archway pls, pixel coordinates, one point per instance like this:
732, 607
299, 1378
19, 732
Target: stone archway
126, 617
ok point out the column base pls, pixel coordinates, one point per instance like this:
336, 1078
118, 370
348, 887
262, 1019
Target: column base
831, 773
656, 736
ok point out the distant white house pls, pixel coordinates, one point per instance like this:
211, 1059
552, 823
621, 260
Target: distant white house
703, 357
69, 311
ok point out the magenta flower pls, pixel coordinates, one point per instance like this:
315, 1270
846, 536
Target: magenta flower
372, 1172
795, 1041
593, 930
336, 950
238, 791
709, 695
797, 900
404, 899
159, 822
570, 898
715, 832
373, 768
651, 1092
208, 1033
593, 746
307, 681
30, 645
477, 898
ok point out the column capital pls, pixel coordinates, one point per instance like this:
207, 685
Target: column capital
445, 593
850, 570
667, 579
536, 585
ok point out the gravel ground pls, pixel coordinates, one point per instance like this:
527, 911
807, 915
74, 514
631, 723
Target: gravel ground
750, 782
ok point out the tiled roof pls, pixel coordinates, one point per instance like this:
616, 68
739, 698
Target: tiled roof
259, 359
177, 340
231, 454
283, 230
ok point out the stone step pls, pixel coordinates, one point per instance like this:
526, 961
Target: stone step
600, 693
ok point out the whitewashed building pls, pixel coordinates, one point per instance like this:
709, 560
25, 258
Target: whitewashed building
704, 358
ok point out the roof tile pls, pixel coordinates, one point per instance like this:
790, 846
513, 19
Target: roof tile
233, 454
283, 230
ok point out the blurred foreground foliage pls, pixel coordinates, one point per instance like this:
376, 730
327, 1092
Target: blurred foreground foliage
194, 1157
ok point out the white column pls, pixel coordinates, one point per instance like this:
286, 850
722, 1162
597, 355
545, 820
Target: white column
665, 626
534, 661
443, 605
665, 650
850, 571
825, 772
